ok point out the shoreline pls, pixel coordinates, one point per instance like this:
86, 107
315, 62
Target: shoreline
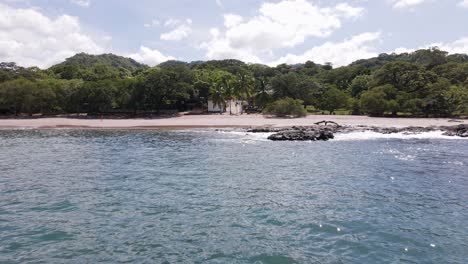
222, 121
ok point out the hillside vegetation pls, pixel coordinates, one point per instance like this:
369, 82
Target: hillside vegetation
427, 82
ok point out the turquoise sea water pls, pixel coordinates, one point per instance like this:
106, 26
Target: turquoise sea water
205, 196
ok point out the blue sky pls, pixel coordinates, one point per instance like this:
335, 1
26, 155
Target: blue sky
45, 32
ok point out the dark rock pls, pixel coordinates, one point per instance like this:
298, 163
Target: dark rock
456, 131
268, 129
302, 135
462, 131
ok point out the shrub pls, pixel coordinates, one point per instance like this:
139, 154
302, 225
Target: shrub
373, 103
286, 107
334, 99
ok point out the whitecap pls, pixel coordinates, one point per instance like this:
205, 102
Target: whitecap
371, 135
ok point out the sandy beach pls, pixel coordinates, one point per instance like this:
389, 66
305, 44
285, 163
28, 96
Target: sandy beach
219, 121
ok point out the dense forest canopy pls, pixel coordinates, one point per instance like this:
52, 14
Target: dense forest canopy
427, 82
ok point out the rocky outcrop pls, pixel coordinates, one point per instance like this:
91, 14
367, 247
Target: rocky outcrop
406, 130
300, 133
459, 131
304, 135
325, 130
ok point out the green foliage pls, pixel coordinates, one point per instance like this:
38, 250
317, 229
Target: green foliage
10, 71
423, 83
286, 107
296, 86
111, 60
162, 88
360, 84
373, 102
334, 99
16, 95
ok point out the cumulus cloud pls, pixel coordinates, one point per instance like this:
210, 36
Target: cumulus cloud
406, 3
231, 20
402, 50
348, 11
181, 29
463, 3
82, 3
149, 56
284, 24
32, 39
339, 54
458, 46
220, 48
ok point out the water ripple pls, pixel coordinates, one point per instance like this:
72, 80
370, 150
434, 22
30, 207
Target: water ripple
208, 196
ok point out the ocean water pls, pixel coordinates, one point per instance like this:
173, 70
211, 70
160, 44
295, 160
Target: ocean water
206, 196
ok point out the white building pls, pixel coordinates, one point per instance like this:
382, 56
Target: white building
232, 106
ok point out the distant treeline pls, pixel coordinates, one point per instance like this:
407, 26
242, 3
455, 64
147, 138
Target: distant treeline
427, 82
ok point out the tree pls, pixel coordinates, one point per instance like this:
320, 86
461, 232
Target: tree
15, 95
95, 97
296, 86
456, 73
429, 58
286, 107
343, 76
373, 102
223, 89
425, 82
262, 88
404, 76
334, 99
243, 88
444, 99
162, 88
359, 84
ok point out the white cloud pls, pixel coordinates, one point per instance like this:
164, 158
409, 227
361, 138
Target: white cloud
463, 3
406, 3
149, 56
339, 54
32, 39
283, 24
458, 46
220, 48
402, 50
231, 20
348, 11
181, 31
82, 3
172, 22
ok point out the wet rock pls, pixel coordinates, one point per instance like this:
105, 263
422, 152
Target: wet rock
456, 131
462, 131
302, 135
267, 129
387, 130
406, 130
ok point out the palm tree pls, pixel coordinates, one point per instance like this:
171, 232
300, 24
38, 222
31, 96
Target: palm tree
217, 95
229, 90
262, 93
244, 85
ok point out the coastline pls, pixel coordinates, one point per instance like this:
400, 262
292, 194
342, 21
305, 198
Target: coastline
222, 121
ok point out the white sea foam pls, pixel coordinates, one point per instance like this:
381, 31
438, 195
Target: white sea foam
247, 137
371, 135
244, 137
